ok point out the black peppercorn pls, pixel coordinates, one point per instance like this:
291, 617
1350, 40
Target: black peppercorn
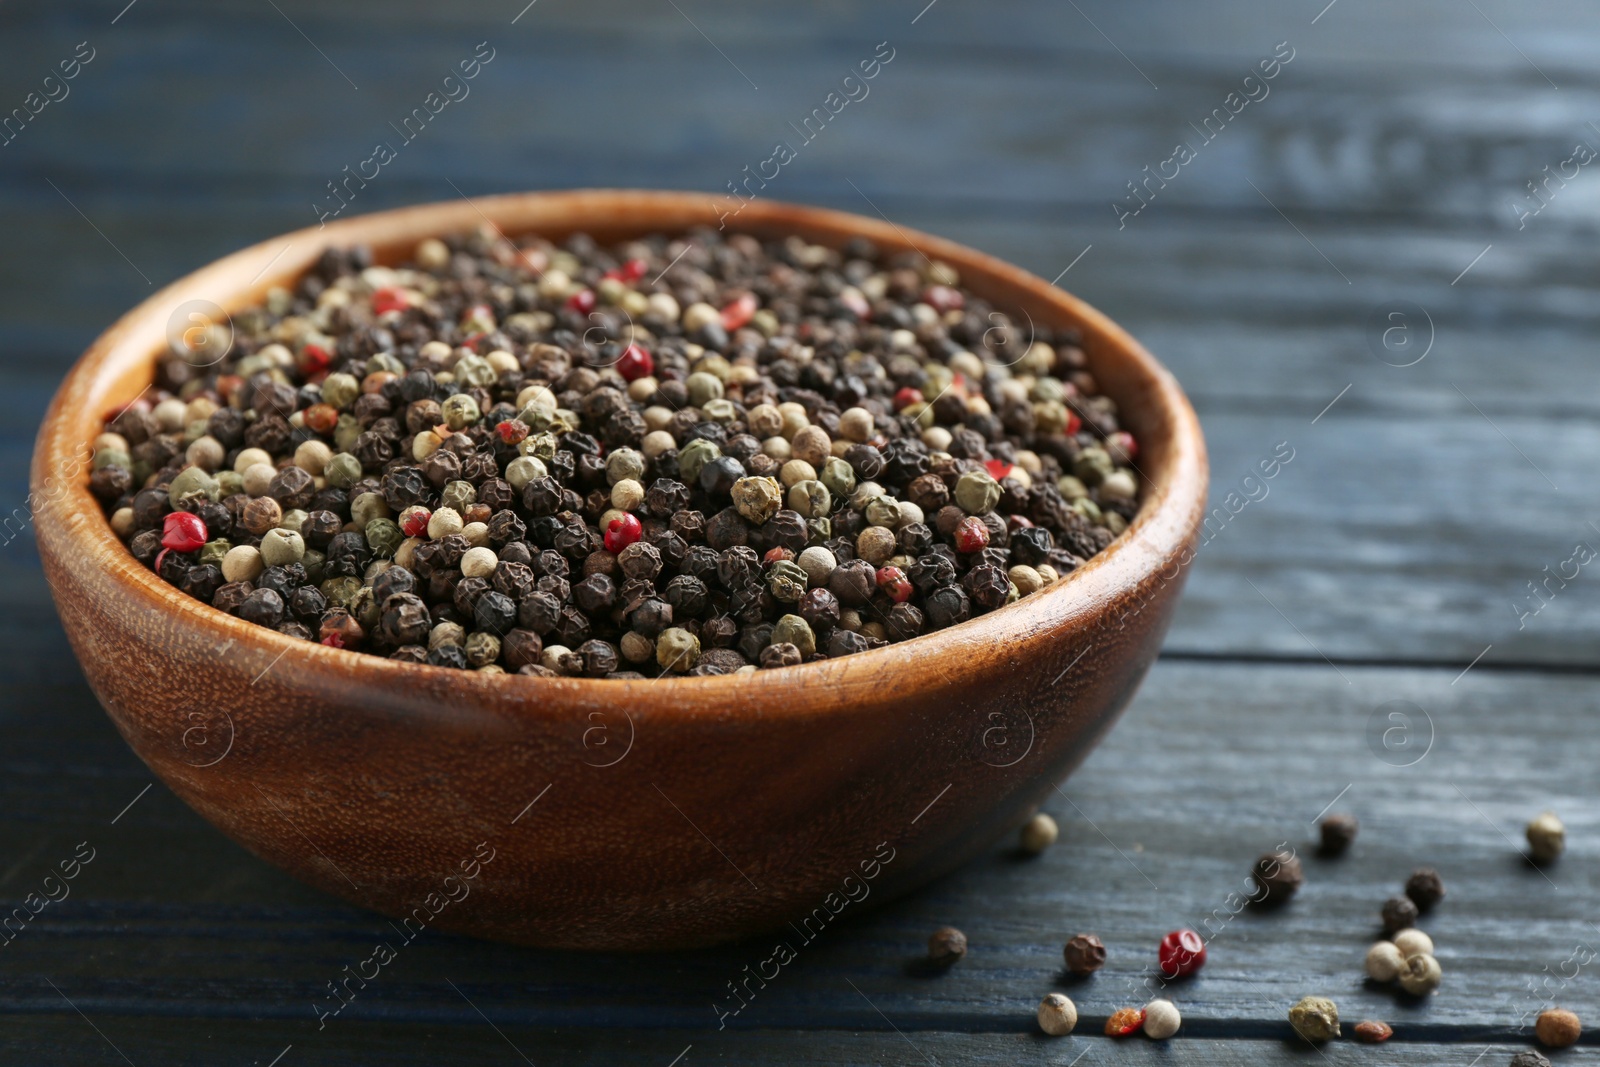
1425, 888
404, 620
946, 606
1338, 831
1084, 954
448, 656
947, 944
1278, 876
495, 613
264, 607
853, 582
1398, 914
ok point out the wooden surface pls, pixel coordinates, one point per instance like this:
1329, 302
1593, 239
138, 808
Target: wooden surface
1392, 551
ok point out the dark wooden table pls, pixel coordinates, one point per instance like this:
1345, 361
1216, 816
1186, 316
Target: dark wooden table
1384, 173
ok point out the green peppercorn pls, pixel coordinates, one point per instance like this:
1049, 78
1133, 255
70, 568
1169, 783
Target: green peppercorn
839, 477
977, 493
787, 580
810, 498
190, 485
279, 548
342, 471
340, 390
213, 552
693, 457
1092, 466
677, 650
624, 464
460, 411
383, 536
458, 496
793, 630
882, 511
703, 388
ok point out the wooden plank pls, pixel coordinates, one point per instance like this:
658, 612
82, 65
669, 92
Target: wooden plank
1213, 765
67, 1041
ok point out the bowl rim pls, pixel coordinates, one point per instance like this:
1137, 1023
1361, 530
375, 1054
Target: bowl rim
1165, 526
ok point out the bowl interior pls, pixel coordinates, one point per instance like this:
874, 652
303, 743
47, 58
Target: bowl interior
119, 368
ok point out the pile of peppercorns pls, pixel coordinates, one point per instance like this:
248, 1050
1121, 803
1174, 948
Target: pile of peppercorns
699, 455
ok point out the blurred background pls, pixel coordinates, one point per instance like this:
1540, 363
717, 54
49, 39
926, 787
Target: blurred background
1377, 252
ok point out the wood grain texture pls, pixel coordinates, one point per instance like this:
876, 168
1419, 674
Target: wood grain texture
1394, 142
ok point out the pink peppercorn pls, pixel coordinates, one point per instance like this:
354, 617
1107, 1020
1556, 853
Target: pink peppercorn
582, 301
183, 531
620, 533
971, 535
1182, 953
893, 581
635, 363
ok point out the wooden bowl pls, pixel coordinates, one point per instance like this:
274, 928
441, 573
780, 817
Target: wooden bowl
614, 814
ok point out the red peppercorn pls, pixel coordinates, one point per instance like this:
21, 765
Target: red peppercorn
314, 359
1182, 953
183, 531
778, 555
635, 363
943, 298
893, 581
582, 301
321, 418
1124, 441
416, 523
389, 298
631, 271
1124, 1021
621, 533
971, 535
738, 312
1018, 522
906, 396
1074, 424
512, 431
333, 640
998, 469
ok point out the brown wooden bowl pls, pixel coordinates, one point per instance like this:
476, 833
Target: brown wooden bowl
615, 814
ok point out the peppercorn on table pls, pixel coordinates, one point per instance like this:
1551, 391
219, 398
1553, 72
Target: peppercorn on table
1361, 238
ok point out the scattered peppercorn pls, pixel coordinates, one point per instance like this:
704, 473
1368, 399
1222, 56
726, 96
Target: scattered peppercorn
1425, 888
1338, 832
947, 944
1057, 1015
1530, 1059
1398, 913
1161, 1020
1315, 1018
1124, 1021
1085, 954
1182, 953
540, 440
1420, 975
1557, 1028
1383, 961
1547, 838
1038, 833
1372, 1031
1413, 942
1278, 875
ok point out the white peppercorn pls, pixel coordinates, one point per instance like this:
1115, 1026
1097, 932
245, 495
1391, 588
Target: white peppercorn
478, 562
1161, 1019
817, 562
242, 564
1383, 961
1057, 1015
1038, 833
443, 523
1420, 975
1413, 942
